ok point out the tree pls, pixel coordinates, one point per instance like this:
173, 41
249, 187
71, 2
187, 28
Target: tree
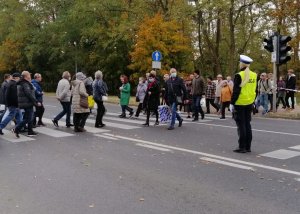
166, 36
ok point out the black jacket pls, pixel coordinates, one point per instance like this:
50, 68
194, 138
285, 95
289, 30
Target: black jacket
291, 83
175, 88
3, 91
26, 94
11, 95
151, 102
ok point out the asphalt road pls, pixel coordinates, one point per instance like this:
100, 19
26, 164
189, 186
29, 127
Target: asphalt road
129, 169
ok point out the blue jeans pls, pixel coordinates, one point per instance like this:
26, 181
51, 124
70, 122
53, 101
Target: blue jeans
10, 114
174, 114
27, 119
66, 110
264, 101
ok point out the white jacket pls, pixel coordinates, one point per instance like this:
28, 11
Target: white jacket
63, 91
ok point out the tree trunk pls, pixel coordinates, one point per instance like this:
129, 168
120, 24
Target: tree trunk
296, 49
232, 48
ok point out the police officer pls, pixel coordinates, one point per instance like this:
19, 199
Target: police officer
243, 96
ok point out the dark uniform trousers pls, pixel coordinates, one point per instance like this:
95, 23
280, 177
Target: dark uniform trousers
242, 117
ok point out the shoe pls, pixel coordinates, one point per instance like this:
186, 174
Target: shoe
55, 123
240, 150
156, 123
202, 116
122, 116
82, 129
171, 128
32, 134
77, 130
69, 125
40, 123
222, 118
1, 133
130, 114
248, 150
180, 123
16, 133
195, 119
101, 125
34, 126
146, 124
23, 130
188, 117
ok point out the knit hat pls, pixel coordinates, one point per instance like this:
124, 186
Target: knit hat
80, 76
16, 74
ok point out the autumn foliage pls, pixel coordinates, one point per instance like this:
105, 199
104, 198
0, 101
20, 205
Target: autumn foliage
166, 36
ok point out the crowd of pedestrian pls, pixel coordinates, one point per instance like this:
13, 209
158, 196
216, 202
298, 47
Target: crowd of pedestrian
23, 97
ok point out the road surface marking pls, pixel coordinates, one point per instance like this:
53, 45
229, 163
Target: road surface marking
123, 120
256, 130
89, 129
295, 147
94, 130
109, 124
227, 163
154, 147
106, 137
9, 136
52, 132
115, 125
132, 140
50, 106
281, 154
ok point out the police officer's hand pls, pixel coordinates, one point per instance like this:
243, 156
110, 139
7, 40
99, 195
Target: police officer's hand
231, 108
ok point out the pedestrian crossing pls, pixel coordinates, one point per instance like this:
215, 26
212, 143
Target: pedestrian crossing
111, 120
283, 154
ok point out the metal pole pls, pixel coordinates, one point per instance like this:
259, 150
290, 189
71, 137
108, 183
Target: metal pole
274, 86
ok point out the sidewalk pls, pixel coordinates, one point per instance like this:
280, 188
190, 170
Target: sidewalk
286, 114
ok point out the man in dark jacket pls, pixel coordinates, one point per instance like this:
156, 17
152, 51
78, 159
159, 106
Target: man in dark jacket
26, 101
39, 112
7, 78
290, 84
11, 98
197, 92
175, 93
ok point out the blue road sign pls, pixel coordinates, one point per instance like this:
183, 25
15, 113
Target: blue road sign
156, 56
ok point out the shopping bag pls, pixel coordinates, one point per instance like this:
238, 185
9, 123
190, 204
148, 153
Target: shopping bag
104, 98
203, 102
91, 101
164, 113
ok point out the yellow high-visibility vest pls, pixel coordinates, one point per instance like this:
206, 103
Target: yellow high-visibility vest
248, 91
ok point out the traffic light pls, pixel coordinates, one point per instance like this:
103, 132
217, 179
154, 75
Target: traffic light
269, 44
283, 49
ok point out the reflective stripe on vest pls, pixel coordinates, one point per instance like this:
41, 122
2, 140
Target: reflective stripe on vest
248, 91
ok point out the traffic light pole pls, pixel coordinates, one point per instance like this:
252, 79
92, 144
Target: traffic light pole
275, 71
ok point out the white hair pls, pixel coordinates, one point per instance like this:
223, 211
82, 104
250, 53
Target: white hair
98, 75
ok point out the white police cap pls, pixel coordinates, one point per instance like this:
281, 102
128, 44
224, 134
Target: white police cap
245, 59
